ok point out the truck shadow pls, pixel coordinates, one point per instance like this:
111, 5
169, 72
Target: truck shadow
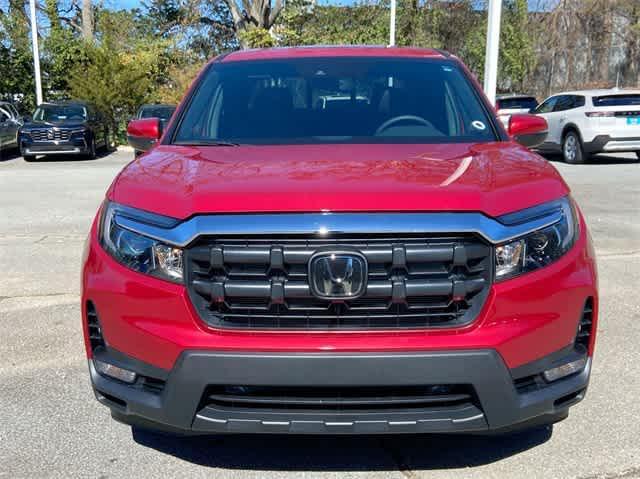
343, 453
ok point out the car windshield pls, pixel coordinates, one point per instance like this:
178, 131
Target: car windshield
519, 103
157, 111
335, 100
60, 113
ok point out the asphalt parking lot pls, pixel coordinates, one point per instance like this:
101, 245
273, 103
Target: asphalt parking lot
51, 426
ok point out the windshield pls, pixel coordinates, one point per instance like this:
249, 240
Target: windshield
159, 111
518, 103
335, 100
60, 113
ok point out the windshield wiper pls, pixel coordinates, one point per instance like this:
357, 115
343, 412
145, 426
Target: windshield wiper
206, 143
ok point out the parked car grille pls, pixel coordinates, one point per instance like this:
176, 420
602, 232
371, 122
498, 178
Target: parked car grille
50, 134
354, 398
413, 282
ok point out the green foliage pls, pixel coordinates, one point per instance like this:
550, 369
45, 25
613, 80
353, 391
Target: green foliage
517, 56
419, 25
16, 60
256, 37
120, 70
62, 52
357, 24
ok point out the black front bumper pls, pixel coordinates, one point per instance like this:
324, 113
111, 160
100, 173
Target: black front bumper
177, 400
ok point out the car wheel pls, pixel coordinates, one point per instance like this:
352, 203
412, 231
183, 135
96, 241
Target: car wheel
92, 149
26, 157
572, 151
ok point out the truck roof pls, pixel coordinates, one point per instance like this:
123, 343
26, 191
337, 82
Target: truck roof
332, 51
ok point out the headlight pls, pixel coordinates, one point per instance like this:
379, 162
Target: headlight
539, 248
139, 252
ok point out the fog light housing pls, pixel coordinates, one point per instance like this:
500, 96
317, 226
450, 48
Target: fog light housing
114, 372
564, 370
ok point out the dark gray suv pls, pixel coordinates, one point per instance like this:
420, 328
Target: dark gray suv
70, 128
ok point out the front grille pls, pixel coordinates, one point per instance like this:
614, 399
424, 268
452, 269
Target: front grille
413, 282
50, 134
321, 398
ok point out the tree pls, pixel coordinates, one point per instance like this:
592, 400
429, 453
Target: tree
360, 23
212, 29
249, 15
16, 59
120, 71
517, 56
87, 20
62, 51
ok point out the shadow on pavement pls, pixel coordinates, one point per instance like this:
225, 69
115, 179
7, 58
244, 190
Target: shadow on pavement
598, 159
343, 453
14, 154
9, 154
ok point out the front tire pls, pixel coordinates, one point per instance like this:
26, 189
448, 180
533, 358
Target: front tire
572, 150
28, 158
91, 155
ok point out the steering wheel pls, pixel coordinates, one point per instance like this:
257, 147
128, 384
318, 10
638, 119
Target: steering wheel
397, 119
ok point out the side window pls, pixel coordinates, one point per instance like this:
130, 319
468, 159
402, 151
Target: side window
4, 116
547, 106
565, 102
578, 101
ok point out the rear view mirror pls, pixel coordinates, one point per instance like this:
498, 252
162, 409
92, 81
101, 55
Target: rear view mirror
528, 130
144, 134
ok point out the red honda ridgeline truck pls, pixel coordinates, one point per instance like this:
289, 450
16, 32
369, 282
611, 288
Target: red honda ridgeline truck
339, 240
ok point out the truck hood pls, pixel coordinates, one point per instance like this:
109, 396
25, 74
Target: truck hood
493, 178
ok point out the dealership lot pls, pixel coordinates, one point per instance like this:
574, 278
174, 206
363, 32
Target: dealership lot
52, 426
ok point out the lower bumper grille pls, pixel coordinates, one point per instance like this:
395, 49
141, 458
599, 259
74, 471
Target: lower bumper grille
412, 282
338, 398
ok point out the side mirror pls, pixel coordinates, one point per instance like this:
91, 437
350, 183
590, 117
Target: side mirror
143, 134
528, 130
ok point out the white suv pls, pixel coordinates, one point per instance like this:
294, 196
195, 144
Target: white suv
582, 123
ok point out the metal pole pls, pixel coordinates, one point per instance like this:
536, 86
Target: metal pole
493, 49
392, 24
36, 52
